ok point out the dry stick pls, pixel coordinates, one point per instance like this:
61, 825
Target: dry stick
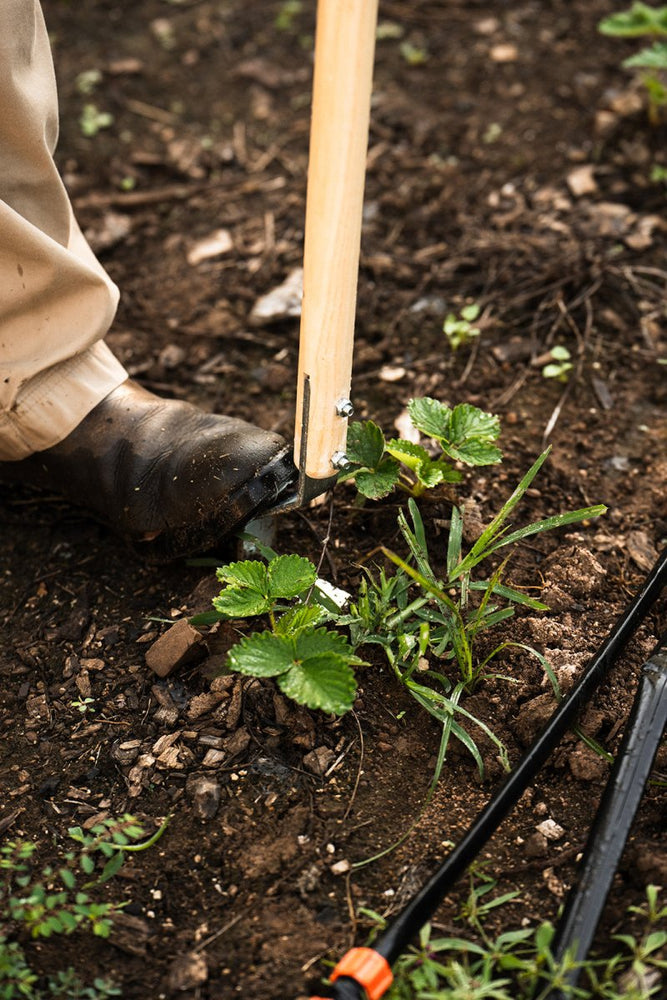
344, 51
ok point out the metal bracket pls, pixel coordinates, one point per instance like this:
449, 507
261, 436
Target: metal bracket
307, 488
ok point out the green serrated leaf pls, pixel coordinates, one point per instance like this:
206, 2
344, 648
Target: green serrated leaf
412, 455
250, 573
299, 618
289, 576
430, 416
380, 483
653, 58
639, 20
468, 422
321, 640
365, 444
432, 473
236, 602
322, 681
475, 452
262, 654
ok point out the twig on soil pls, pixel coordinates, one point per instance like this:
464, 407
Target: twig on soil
359, 768
218, 934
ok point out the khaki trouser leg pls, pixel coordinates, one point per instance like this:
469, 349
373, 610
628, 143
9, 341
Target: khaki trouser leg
56, 302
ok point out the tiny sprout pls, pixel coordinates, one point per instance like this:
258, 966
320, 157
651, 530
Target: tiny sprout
88, 81
92, 120
459, 330
560, 366
413, 54
83, 705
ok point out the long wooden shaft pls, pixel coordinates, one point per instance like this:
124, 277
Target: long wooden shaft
344, 52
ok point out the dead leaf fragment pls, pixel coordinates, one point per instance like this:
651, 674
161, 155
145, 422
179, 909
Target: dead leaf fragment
641, 549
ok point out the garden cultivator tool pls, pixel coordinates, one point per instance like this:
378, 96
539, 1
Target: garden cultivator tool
344, 52
365, 973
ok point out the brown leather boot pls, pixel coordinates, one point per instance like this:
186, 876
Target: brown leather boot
162, 472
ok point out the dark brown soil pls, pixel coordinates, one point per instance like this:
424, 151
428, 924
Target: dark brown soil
477, 160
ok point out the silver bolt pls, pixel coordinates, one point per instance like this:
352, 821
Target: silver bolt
339, 460
344, 408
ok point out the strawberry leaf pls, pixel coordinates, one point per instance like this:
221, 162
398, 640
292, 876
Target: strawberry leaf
262, 654
377, 484
324, 681
238, 602
430, 416
289, 576
365, 444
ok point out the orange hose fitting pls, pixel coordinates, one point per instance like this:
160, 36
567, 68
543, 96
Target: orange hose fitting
368, 968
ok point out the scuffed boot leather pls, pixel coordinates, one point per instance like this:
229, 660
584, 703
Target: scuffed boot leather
162, 472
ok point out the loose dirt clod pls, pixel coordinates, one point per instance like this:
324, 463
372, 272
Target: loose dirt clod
180, 644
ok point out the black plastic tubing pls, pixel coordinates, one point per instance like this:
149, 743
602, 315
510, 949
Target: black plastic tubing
393, 941
613, 820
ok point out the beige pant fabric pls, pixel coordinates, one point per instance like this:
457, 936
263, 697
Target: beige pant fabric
56, 301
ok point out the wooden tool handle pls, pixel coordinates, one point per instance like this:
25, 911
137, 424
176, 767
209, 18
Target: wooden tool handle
344, 51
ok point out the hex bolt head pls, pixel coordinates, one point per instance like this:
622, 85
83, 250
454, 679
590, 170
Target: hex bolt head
339, 460
344, 408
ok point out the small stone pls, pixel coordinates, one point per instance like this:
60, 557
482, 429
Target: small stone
318, 760
187, 971
179, 645
205, 794
283, 302
126, 753
504, 52
581, 180
550, 829
536, 846
215, 244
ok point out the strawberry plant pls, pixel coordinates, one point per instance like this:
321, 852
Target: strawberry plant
463, 434
311, 664
642, 21
460, 330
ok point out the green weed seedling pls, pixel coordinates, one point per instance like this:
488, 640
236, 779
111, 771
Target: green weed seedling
311, 664
560, 366
642, 21
427, 624
58, 900
519, 964
459, 330
462, 434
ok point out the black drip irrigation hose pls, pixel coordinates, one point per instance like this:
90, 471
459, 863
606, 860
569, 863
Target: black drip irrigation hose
613, 820
395, 939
